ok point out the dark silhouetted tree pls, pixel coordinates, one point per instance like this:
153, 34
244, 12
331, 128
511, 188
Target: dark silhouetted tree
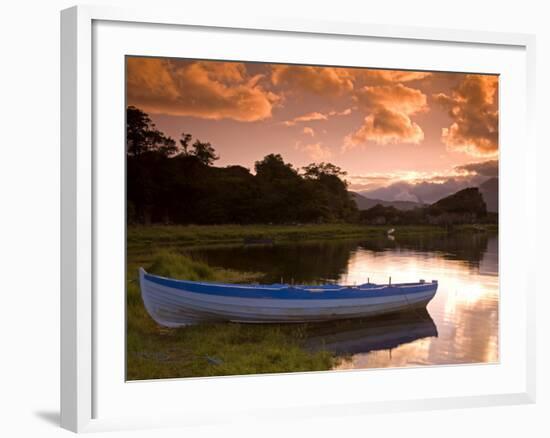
142, 135
184, 142
273, 167
204, 152
315, 170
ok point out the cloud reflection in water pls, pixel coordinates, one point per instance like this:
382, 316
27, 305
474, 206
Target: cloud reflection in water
465, 308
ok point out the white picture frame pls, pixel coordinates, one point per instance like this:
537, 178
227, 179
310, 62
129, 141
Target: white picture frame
80, 311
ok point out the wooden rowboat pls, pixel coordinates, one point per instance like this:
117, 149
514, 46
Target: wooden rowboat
175, 303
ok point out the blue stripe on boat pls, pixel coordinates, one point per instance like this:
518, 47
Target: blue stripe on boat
286, 292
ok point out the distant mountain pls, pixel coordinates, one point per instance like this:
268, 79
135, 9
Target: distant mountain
489, 191
364, 203
467, 201
463, 207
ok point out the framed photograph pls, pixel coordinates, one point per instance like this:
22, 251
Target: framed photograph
254, 206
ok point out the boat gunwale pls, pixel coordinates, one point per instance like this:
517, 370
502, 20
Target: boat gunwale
292, 292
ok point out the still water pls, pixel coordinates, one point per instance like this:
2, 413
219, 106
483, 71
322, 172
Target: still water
460, 324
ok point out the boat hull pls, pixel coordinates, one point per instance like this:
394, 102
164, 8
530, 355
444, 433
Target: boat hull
175, 303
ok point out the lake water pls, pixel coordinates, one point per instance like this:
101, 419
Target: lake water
459, 326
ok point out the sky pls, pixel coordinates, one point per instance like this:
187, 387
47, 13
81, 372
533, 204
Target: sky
399, 135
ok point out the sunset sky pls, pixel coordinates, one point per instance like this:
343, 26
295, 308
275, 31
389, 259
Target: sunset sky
399, 135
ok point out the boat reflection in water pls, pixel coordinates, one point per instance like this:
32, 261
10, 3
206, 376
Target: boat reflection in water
373, 334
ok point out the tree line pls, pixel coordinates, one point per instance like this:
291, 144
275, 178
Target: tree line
177, 182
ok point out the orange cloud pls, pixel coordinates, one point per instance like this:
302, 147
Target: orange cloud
398, 98
374, 77
316, 151
484, 168
387, 102
345, 112
335, 81
308, 131
210, 90
473, 107
311, 117
385, 126
389, 121
325, 81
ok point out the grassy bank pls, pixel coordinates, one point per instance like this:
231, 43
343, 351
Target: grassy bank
191, 235
209, 350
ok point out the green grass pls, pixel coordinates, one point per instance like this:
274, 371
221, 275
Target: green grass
209, 350
175, 265
196, 235
476, 228
220, 350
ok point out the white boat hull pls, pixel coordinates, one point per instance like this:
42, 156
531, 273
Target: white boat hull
175, 307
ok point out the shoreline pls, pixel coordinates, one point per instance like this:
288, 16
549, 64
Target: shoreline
196, 235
